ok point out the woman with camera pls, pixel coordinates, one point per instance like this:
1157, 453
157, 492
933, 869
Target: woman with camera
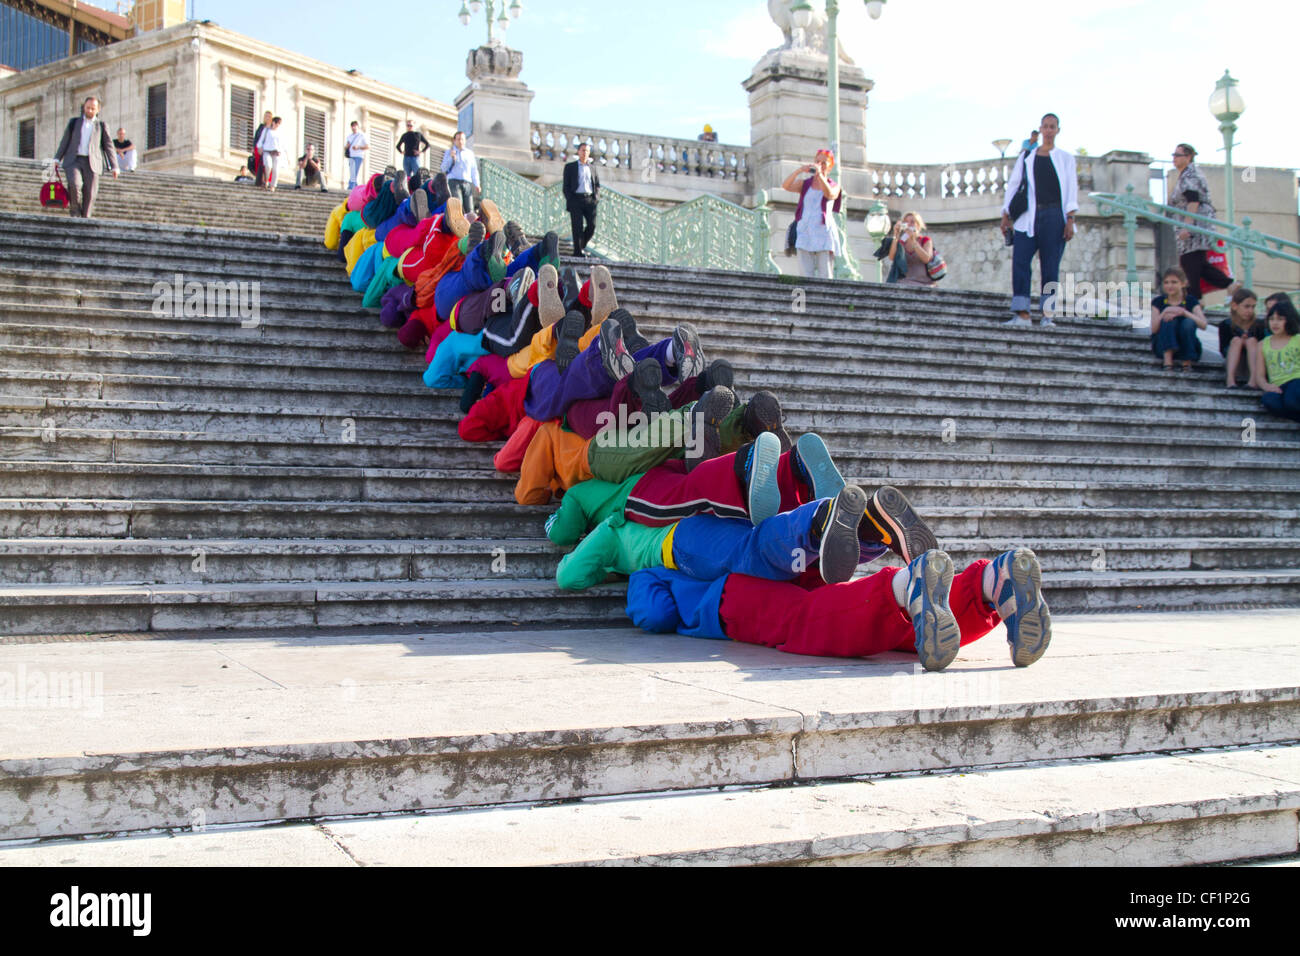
817, 240
912, 252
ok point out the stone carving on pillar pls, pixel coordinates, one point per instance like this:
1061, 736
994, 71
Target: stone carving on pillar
494, 108
495, 60
810, 40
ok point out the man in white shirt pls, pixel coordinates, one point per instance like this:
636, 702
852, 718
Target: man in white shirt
461, 167
357, 146
269, 144
85, 150
581, 190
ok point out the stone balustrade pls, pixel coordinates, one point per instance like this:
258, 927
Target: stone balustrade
638, 154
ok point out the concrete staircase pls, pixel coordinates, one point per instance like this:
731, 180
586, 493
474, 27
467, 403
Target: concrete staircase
289, 507
144, 196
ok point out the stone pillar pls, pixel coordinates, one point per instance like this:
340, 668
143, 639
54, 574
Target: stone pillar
787, 119
494, 108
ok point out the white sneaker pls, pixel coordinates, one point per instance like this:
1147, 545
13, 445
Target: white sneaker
1047, 323
1016, 322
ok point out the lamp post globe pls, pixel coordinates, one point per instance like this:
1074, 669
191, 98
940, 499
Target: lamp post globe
1226, 105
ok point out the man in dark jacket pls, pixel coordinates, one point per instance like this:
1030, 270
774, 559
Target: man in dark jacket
84, 152
581, 189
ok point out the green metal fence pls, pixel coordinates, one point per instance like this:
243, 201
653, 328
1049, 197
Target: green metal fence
705, 233
1242, 238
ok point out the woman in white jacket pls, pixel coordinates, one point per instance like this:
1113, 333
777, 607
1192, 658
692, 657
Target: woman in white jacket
1047, 222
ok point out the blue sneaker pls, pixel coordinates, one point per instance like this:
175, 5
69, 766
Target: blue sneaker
813, 464
764, 493
1018, 598
938, 638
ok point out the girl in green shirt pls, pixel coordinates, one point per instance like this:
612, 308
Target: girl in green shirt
1281, 352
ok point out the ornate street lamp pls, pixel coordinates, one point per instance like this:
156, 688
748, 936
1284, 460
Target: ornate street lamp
1001, 146
501, 21
1226, 104
877, 228
846, 265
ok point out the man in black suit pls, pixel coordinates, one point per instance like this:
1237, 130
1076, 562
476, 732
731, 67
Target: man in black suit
581, 189
85, 150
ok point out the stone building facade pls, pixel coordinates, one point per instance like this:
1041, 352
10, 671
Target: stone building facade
190, 96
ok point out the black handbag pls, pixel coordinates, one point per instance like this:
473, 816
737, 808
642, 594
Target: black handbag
1020, 201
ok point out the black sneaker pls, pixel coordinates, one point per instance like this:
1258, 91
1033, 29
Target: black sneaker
763, 414
614, 355
420, 205
474, 235
439, 191
496, 252
473, 391
687, 353
718, 373
837, 531
516, 241
572, 288
890, 520
633, 339
551, 251
520, 283
646, 380
567, 333
704, 420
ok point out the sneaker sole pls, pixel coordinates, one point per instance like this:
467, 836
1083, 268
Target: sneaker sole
420, 205
492, 216
1033, 628
839, 546
708, 413
827, 481
691, 364
938, 638
764, 492
550, 307
893, 517
566, 339
614, 356
646, 379
455, 216
603, 300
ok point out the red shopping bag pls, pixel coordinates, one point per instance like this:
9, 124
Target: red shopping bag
53, 192
1217, 256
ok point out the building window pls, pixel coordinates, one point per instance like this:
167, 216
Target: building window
380, 153
243, 113
156, 124
313, 130
27, 41
27, 139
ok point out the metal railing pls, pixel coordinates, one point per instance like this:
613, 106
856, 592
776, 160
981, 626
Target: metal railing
1249, 241
705, 233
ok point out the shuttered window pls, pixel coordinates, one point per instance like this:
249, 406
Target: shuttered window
313, 131
243, 114
380, 153
27, 139
156, 123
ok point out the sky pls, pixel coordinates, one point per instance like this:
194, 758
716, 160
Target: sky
951, 75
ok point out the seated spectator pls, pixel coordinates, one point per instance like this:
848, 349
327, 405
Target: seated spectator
310, 170
1280, 381
1240, 334
242, 176
1175, 317
125, 150
912, 251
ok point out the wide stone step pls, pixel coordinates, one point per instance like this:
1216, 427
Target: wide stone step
939, 488
36, 561
485, 511
1152, 810
321, 558
129, 608
266, 729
